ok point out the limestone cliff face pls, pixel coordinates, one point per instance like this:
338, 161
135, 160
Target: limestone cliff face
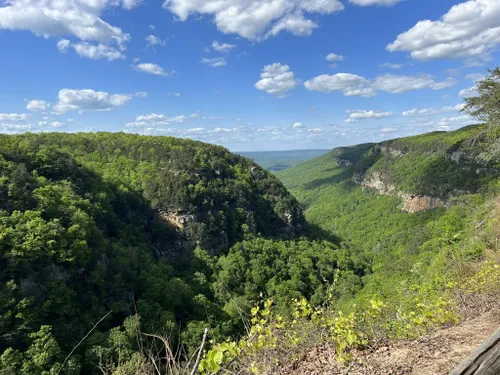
411, 203
386, 150
418, 203
375, 180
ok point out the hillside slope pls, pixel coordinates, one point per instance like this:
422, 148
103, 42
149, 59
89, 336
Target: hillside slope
95, 225
371, 188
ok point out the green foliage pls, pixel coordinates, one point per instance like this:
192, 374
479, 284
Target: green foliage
283, 270
84, 230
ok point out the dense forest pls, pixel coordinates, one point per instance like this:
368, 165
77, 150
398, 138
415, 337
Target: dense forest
125, 254
92, 223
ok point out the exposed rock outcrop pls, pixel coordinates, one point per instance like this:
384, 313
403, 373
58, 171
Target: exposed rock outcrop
375, 180
411, 203
386, 150
177, 219
418, 203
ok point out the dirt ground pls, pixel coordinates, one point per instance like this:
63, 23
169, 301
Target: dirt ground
434, 354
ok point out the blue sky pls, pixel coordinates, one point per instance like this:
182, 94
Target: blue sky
246, 74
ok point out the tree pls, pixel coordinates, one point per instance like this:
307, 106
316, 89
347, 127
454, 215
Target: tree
486, 105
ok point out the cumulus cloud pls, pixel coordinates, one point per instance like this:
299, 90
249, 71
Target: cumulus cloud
355, 85
130, 4
37, 105
150, 69
358, 115
220, 130
388, 130
470, 30
349, 84
51, 18
96, 51
432, 111
153, 40
391, 66
88, 100
214, 62
276, 79
469, 92
14, 117
298, 125
222, 47
366, 3
449, 123
332, 57
159, 120
9, 128
195, 131
395, 84
154, 117
256, 19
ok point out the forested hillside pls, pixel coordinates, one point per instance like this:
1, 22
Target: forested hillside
98, 223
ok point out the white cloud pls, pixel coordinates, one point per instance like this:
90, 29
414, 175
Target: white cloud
220, 130
432, 111
331, 57
14, 116
152, 117
63, 45
388, 130
256, 19
195, 131
298, 125
152, 27
395, 84
153, 40
56, 124
141, 94
470, 30
391, 66
50, 18
37, 105
358, 115
366, 3
137, 124
88, 100
9, 128
156, 119
130, 4
276, 79
475, 77
295, 24
91, 51
469, 92
214, 62
96, 52
349, 84
448, 123
222, 47
177, 94
150, 69
354, 85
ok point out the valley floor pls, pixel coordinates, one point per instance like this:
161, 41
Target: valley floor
434, 354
